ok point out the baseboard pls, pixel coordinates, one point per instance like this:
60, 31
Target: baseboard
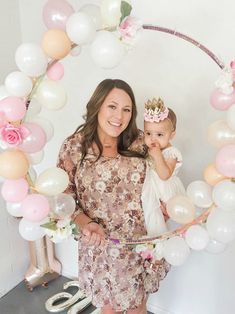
69, 274
157, 310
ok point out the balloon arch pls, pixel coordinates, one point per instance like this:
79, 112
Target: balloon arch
45, 209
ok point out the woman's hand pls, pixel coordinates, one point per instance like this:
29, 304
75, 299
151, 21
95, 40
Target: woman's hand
93, 234
164, 210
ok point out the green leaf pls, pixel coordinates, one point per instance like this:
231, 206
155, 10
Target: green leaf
125, 10
76, 230
50, 225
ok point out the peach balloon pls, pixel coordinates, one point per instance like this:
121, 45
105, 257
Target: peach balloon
181, 209
13, 164
212, 176
56, 44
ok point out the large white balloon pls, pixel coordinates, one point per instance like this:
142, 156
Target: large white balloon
215, 247
176, 251
94, 12
30, 231
52, 181
181, 209
62, 205
221, 225
197, 237
230, 117
14, 209
111, 12
80, 28
31, 59
51, 95
220, 134
18, 84
107, 50
200, 193
224, 195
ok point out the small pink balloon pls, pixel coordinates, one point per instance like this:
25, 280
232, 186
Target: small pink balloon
56, 13
222, 101
13, 107
35, 141
14, 190
35, 207
225, 161
56, 72
232, 64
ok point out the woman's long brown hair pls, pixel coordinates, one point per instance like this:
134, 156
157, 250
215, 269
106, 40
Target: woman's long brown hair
89, 127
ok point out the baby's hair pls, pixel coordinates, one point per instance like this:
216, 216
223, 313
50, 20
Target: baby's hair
172, 117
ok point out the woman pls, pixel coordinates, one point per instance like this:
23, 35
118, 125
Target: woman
105, 164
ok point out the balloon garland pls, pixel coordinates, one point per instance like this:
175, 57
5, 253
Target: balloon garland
41, 202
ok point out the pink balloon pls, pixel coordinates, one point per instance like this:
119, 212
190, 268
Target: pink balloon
35, 207
14, 190
222, 101
225, 161
13, 107
56, 12
35, 141
56, 72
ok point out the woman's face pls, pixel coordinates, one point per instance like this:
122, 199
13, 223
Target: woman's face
115, 114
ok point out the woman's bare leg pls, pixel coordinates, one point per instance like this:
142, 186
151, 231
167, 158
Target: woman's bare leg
141, 309
107, 309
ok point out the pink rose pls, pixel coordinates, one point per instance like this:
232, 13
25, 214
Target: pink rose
129, 27
13, 135
147, 254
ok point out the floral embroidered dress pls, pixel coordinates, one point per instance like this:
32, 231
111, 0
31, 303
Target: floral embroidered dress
109, 191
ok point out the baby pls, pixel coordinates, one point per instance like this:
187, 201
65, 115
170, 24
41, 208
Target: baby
163, 163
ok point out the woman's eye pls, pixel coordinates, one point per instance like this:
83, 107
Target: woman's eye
112, 106
127, 110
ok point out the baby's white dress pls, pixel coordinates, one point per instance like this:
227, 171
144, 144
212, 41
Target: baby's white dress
156, 189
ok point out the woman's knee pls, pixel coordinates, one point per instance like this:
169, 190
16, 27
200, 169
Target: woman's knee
107, 309
141, 309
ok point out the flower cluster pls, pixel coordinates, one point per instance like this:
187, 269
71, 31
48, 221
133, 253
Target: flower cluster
13, 135
150, 251
128, 29
60, 229
225, 81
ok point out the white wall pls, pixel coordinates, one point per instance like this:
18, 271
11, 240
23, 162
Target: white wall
13, 249
159, 65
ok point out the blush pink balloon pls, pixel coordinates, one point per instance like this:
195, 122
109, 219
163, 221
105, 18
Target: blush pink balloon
14, 190
35, 141
35, 207
221, 101
55, 13
56, 72
13, 107
225, 161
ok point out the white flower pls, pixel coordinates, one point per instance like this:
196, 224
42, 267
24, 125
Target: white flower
225, 81
128, 28
100, 186
60, 234
158, 250
141, 248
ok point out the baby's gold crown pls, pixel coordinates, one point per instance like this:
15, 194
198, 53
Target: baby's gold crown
155, 104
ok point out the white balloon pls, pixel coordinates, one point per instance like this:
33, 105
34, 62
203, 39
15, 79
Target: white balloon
80, 28
111, 12
176, 251
200, 193
45, 124
197, 237
30, 231
215, 247
3, 92
35, 158
220, 134
224, 195
18, 84
230, 117
94, 12
221, 225
14, 209
51, 94
31, 59
107, 50
52, 181
33, 109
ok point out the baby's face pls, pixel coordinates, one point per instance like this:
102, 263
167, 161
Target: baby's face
158, 132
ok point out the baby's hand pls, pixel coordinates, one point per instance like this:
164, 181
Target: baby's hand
154, 148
